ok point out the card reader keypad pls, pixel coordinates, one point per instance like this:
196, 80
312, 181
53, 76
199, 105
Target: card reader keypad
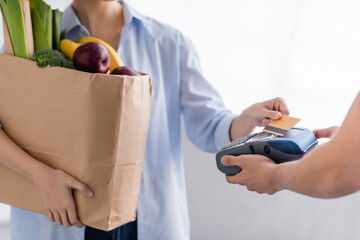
250, 139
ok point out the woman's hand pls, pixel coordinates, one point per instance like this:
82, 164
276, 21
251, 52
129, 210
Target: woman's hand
325, 132
259, 114
55, 186
56, 191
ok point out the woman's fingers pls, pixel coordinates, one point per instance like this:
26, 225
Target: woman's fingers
60, 217
57, 218
64, 218
71, 212
50, 216
67, 216
56, 191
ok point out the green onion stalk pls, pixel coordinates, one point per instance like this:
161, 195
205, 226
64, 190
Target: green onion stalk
13, 16
42, 22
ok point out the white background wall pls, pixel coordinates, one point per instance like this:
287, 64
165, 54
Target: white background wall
307, 51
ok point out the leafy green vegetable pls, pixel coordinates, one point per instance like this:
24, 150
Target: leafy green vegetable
57, 19
15, 23
54, 58
41, 18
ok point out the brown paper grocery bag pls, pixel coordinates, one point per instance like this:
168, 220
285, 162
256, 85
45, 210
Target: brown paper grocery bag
92, 126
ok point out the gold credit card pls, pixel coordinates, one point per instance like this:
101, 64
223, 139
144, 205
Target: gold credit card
281, 126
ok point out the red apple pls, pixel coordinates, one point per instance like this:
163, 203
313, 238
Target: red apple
124, 70
92, 57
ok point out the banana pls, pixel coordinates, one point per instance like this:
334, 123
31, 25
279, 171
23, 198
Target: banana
68, 47
115, 60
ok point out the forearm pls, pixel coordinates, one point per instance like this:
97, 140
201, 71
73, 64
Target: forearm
322, 173
332, 169
13, 157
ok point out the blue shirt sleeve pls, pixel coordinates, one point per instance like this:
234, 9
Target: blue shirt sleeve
207, 121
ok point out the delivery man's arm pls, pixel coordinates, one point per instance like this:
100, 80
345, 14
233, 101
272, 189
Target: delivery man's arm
208, 124
330, 170
55, 186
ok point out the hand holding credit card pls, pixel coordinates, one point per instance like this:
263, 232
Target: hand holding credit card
281, 125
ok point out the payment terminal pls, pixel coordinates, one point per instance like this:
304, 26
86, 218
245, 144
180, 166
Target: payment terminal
291, 146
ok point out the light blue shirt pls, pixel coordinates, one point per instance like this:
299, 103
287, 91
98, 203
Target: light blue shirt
180, 93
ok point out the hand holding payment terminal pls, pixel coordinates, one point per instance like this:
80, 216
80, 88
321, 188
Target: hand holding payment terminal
291, 146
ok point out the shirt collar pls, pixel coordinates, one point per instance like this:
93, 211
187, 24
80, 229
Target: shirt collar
130, 13
70, 20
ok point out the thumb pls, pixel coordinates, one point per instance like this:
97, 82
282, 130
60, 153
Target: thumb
81, 188
316, 132
273, 115
232, 160
324, 132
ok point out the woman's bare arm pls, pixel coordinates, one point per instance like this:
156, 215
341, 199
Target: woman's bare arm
55, 186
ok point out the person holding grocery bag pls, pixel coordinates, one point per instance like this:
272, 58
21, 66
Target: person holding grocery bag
180, 93
331, 170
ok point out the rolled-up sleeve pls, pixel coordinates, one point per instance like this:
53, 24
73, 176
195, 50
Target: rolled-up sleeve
206, 120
